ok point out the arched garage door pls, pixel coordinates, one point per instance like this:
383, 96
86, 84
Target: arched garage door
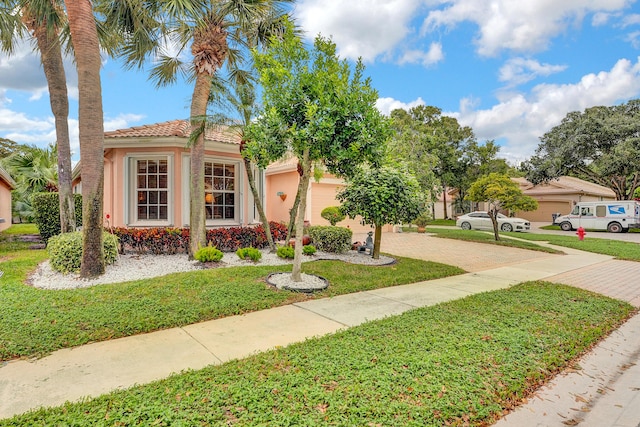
545, 211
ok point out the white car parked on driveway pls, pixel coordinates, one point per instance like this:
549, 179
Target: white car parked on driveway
480, 220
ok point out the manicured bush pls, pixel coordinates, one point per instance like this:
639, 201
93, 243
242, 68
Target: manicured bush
287, 252
152, 240
65, 251
252, 254
309, 250
208, 254
331, 239
333, 214
46, 213
176, 240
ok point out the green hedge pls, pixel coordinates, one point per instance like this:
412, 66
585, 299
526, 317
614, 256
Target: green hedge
65, 251
330, 238
46, 213
333, 214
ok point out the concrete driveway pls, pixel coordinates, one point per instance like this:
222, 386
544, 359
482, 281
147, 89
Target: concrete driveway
469, 256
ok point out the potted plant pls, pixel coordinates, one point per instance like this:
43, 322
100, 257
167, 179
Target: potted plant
421, 221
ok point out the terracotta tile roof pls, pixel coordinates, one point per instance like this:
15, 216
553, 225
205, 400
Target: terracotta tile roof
177, 128
564, 185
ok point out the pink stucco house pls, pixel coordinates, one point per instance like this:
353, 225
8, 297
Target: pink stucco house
146, 172
146, 177
6, 185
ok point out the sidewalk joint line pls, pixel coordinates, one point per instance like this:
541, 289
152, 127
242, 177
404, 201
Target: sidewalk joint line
201, 344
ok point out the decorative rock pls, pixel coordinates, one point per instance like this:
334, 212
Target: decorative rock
310, 283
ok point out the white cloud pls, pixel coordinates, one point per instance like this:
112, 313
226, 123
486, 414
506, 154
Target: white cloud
16, 123
634, 39
360, 28
633, 19
517, 71
520, 120
432, 56
387, 105
520, 26
601, 18
122, 121
22, 71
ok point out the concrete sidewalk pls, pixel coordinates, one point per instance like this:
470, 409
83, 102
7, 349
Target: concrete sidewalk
94, 369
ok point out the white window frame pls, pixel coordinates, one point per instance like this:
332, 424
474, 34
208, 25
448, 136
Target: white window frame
239, 192
259, 176
130, 193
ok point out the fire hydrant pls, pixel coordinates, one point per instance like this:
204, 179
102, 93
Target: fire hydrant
581, 233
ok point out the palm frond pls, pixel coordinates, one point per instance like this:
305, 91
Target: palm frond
166, 71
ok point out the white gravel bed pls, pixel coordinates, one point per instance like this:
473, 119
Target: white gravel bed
136, 267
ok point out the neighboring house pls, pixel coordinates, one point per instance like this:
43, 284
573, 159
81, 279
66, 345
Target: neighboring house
147, 175
454, 207
282, 180
559, 196
6, 185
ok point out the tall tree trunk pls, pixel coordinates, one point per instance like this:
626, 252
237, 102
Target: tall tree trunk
293, 214
197, 222
493, 213
51, 54
258, 201
444, 200
376, 242
305, 163
84, 36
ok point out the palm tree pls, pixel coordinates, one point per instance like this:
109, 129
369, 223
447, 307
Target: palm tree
44, 19
84, 36
218, 32
241, 100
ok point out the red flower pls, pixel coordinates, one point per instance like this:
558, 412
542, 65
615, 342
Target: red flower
108, 216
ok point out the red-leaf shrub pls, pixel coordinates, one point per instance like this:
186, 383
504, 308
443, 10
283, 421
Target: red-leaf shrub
176, 240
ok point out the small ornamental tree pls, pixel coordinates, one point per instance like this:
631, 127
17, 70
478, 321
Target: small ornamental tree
501, 193
317, 108
333, 214
382, 196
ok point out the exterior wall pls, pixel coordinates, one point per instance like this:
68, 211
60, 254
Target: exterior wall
5, 205
546, 209
321, 194
437, 210
552, 204
324, 195
286, 183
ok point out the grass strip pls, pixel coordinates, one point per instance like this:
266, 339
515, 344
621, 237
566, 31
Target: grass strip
629, 251
484, 237
34, 322
459, 363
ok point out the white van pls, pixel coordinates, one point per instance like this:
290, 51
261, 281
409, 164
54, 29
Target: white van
616, 216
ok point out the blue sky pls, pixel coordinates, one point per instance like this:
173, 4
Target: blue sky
510, 69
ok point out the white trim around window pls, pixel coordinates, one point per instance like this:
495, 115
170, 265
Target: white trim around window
148, 192
224, 183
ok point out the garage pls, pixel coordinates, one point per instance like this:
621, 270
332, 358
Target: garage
545, 210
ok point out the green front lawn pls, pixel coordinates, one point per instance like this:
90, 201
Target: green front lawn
35, 322
557, 227
487, 237
621, 250
457, 363
16, 229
